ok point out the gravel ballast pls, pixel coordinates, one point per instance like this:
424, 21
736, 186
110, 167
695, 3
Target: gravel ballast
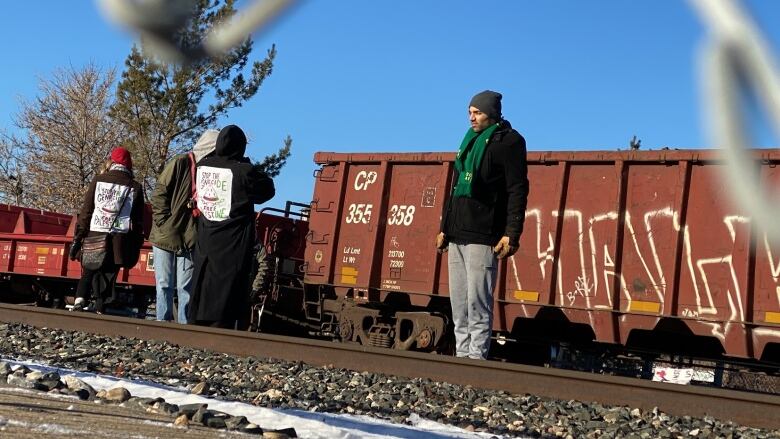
283, 384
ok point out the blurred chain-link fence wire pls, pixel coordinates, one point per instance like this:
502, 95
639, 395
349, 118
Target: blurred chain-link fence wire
157, 21
738, 62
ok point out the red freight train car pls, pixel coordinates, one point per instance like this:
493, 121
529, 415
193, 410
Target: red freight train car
34, 264
635, 248
34, 246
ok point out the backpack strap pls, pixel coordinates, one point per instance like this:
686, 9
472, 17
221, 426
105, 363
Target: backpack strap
193, 186
122, 206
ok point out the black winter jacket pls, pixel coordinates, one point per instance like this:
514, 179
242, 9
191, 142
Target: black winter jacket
500, 194
114, 185
223, 249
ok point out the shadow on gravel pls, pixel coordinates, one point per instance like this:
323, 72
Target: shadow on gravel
37, 408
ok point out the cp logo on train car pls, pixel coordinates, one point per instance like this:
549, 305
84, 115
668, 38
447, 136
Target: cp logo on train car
363, 179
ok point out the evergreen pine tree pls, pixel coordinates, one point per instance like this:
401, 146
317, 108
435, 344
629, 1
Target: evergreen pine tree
165, 107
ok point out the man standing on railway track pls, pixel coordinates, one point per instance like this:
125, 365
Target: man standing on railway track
173, 228
483, 219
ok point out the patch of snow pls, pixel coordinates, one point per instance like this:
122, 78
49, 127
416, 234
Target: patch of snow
56, 429
313, 425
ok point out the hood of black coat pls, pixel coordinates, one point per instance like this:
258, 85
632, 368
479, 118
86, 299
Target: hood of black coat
231, 143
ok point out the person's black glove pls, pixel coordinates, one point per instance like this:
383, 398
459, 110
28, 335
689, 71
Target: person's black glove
74, 249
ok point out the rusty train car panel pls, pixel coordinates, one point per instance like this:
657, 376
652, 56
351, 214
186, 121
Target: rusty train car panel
34, 249
36, 243
615, 241
370, 222
405, 264
763, 304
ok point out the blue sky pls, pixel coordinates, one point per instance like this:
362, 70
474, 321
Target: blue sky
395, 76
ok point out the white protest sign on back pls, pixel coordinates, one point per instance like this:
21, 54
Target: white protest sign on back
215, 188
109, 198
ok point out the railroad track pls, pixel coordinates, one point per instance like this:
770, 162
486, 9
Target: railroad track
749, 409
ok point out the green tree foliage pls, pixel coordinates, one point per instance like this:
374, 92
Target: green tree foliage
273, 163
165, 107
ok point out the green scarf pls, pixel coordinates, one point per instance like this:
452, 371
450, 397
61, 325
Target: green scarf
469, 158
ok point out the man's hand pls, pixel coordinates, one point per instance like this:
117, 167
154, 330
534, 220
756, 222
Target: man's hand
441, 242
504, 249
73, 254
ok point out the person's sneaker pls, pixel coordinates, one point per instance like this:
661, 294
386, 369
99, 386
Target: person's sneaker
78, 305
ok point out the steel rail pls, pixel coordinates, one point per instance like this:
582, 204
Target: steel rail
749, 409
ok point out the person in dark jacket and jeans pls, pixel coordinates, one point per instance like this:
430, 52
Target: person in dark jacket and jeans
483, 219
84, 287
228, 187
113, 205
173, 229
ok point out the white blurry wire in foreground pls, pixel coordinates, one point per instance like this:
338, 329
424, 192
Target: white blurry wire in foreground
736, 60
157, 22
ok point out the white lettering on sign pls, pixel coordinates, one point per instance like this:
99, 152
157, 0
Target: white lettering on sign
349, 250
363, 179
110, 198
396, 260
214, 192
359, 213
389, 284
401, 215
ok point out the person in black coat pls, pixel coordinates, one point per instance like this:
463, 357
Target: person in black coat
228, 187
483, 219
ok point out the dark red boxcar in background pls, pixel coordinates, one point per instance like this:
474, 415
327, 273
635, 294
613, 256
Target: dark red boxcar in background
618, 243
34, 263
34, 248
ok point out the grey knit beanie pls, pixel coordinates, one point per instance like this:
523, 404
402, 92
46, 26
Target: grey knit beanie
488, 102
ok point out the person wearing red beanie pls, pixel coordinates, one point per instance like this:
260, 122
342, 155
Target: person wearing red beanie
113, 210
121, 156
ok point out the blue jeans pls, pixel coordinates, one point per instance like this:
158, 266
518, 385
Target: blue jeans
172, 272
472, 272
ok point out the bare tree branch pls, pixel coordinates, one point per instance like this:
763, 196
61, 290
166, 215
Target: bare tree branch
68, 134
